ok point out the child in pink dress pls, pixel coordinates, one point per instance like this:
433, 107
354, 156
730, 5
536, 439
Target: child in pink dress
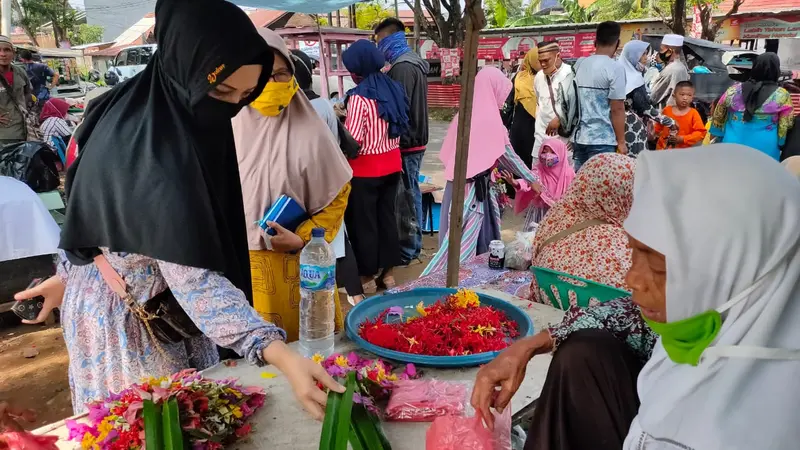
555, 174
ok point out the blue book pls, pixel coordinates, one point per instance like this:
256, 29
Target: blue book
286, 212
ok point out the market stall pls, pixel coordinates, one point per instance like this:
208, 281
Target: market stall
332, 42
283, 424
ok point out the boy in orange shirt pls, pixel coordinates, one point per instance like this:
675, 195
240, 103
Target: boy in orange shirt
691, 129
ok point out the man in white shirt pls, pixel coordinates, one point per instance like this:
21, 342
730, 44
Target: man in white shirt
549, 84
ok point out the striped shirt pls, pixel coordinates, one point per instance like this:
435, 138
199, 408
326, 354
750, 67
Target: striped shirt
53, 126
379, 155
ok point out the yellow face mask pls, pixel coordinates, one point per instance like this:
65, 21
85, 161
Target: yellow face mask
275, 97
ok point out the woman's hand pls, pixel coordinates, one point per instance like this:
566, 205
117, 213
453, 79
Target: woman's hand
9, 416
284, 241
506, 371
303, 375
52, 289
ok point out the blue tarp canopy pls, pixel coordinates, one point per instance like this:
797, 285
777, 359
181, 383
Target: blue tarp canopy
298, 6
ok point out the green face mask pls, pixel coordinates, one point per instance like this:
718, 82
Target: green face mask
686, 340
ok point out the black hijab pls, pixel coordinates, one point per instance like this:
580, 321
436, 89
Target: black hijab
157, 173
763, 82
302, 72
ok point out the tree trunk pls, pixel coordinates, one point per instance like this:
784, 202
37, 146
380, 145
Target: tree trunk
679, 17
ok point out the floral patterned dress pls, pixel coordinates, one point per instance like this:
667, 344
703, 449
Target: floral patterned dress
765, 132
109, 348
602, 190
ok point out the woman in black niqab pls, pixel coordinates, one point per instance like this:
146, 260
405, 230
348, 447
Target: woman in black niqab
155, 194
157, 172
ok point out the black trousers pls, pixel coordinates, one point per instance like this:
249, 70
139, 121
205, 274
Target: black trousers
522, 134
371, 219
347, 271
589, 398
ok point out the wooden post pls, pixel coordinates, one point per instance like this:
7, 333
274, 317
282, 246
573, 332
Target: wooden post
418, 18
475, 21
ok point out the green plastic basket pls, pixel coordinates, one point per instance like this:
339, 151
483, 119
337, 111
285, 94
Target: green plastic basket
561, 287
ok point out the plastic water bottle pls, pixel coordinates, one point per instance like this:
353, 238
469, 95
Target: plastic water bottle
317, 296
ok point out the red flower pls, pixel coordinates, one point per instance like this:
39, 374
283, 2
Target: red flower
445, 330
243, 431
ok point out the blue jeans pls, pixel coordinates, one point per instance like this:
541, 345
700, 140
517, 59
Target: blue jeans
411, 166
582, 153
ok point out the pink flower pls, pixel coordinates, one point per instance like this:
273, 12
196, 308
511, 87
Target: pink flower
133, 410
77, 430
410, 371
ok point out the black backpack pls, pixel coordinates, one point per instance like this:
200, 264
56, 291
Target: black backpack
33, 163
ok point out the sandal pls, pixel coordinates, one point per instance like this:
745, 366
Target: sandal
389, 282
370, 287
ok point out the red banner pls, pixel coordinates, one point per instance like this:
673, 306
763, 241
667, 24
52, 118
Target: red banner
491, 48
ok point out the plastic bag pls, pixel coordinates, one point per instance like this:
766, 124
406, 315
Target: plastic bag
469, 433
23, 440
424, 400
520, 252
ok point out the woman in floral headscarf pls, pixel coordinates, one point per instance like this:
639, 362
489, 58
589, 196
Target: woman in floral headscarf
582, 234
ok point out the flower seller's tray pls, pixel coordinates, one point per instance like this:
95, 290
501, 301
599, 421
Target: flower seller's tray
373, 307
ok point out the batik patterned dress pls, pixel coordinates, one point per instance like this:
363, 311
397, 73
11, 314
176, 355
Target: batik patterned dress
621, 317
765, 132
109, 348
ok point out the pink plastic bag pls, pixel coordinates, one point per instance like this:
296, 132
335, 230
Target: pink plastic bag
27, 441
468, 433
424, 400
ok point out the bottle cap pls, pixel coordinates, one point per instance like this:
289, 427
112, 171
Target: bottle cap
318, 232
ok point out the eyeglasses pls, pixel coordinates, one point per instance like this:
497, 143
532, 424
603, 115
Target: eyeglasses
281, 76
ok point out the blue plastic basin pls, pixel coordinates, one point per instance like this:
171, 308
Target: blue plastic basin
371, 308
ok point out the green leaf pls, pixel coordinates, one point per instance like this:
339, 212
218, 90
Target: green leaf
329, 423
367, 430
151, 413
173, 434
344, 413
336, 425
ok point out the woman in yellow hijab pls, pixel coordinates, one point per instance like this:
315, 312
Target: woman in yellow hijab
524, 121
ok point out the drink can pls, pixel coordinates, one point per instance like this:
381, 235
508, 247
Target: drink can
497, 255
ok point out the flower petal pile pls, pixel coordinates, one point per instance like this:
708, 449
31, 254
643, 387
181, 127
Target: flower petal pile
454, 326
213, 413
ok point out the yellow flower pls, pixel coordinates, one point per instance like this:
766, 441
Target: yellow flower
421, 309
465, 298
411, 341
341, 361
480, 329
237, 412
317, 358
89, 442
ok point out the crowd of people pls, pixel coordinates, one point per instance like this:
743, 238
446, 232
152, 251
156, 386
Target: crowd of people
223, 122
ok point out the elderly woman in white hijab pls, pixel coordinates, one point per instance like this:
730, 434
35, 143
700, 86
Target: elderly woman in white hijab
285, 148
637, 101
718, 286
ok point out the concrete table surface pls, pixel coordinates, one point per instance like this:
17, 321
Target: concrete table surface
283, 424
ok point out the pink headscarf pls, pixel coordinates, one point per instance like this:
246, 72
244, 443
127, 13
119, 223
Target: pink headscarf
555, 180
488, 136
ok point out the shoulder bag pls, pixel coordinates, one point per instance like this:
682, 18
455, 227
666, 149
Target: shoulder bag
162, 316
571, 230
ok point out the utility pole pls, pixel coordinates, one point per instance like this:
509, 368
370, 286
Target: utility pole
5, 10
396, 9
